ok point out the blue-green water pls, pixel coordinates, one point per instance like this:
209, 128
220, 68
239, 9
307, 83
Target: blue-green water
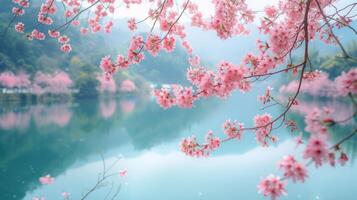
67, 140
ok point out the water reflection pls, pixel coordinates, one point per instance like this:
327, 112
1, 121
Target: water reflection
340, 110
107, 108
127, 106
43, 115
47, 139
11, 120
65, 140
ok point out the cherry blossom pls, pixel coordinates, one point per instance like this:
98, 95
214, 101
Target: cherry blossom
132, 24
190, 146
66, 48
286, 28
184, 97
272, 186
63, 39
317, 150
54, 34
293, 169
169, 44
164, 98
153, 44
233, 129
347, 82
37, 35
20, 27
18, 11
264, 127
343, 159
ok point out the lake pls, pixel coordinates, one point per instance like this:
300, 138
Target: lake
68, 142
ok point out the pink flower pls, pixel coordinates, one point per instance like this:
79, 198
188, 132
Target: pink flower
108, 27
266, 97
164, 98
75, 23
48, 8
22, 3
107, 65
264, 126
231, 75
123, 172
317, 121
316, 149
225, 21
343, 159
169, 44
187, 47
44, 19
347, 82
18, 11
46, 180
66, 48
332, 159
20, 27
63, 39
122, 62
84, 31
132, 24
184, 97
212, 142
53, 33
194, 61
272, 186
134, 56
68, 13
233, 129
292, 169
271, 11
153, 44
38, 35
190, 147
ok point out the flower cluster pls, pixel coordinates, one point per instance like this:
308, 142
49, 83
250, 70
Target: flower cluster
347, 82
177, 95
263, 124
318, 120
233, 129
293, 169
272, 186
317, 149
192, 148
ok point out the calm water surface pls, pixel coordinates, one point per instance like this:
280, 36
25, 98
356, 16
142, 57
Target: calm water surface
67, 140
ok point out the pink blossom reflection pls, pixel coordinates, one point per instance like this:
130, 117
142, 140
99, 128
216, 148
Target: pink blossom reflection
56, 114
340, 110
107, 108
12, 120
127, 106
320, 86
